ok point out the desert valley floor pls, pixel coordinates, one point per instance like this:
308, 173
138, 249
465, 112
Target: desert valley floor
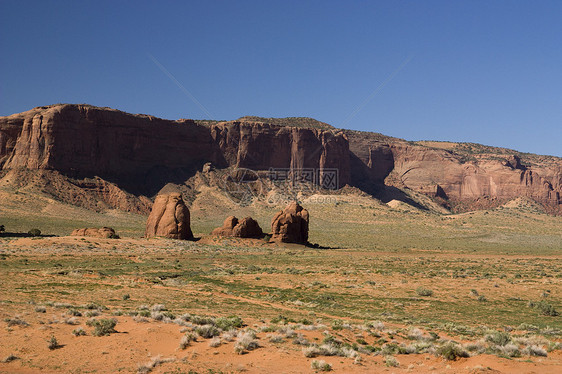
389, 288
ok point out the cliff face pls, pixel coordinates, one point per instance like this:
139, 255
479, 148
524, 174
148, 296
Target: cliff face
143, 153
259, 146
80, 140
458, 176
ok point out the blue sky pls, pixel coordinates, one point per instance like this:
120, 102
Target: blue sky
478, 71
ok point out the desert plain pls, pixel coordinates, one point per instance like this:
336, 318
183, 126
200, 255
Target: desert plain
388, 288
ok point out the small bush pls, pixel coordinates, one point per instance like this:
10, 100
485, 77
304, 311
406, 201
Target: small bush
422, 291
499, 338
207, 331
10, 358
545, 308
215, 342
276, 338
126, 296
40, 309
534, 350
227, 323
451, 351
34, 232
246, 342
74, 313
79, 332
320, 365
53, 343
16, 321
187, 339
391, 362
102, 327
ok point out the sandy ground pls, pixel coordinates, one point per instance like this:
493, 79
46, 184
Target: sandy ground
137, 343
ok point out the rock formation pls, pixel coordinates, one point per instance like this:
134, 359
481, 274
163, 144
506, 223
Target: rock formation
169, 217
116, 158
246, 228
464, 174
104, 232
140, 152
290, 225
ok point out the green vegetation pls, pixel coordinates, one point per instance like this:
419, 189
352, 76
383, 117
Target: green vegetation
34, 232
102, 327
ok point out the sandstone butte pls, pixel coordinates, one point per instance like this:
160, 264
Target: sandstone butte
124, 157
169, 217
104, 232
290, 225
244, 228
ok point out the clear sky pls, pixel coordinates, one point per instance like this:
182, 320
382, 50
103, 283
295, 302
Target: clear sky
478, 71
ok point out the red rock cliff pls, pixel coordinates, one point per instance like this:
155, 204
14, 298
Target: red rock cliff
134, 150
456, 173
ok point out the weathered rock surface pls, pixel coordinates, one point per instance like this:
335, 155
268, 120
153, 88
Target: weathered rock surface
245, 228
129, 156
290, 225
143, 153
462, 174
104, 232
169, 217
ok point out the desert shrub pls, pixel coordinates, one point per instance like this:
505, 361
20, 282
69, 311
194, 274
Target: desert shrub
534, 350
2, 229
102, 327
16, 321
482, 298
158, 308
187, 339
92, 306
499, 338
422, 291
78, 332
144, 313
415, 334
300, 340
199, 320
114, 236
545, 308
391, 362
311, 351
126, 296
52, 343
207, 331
320, 365
10, 358
34, 232
40, 309
475, 347
275, 338
451, 351
246, 342
72, 321
361, 341
509, 350
229, 335
74, 313
215, 342
230, 322
155, 362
